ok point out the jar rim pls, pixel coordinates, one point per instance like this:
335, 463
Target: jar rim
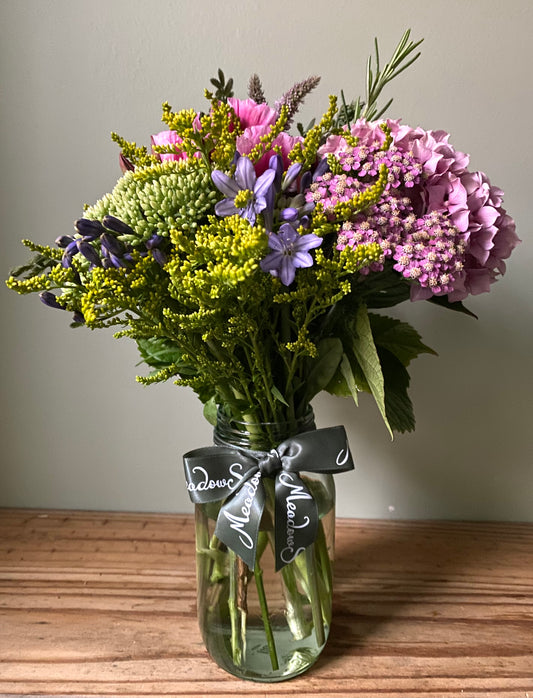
259, 436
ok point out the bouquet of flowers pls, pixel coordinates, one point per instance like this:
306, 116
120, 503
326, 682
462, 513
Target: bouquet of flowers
252, 264
246, 262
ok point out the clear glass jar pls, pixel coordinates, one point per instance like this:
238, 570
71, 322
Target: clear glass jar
261, 624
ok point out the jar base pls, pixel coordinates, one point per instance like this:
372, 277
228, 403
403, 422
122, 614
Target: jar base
257, 664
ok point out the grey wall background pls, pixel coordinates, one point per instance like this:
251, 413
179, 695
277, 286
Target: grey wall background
76, 430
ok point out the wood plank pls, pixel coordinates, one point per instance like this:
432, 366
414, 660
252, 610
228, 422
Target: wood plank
95, 603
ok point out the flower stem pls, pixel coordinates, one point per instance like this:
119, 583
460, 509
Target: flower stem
258, 574
314, 595
295, 612
236, 627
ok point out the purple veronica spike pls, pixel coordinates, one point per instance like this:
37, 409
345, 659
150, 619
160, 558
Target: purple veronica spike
253, 193
290, 252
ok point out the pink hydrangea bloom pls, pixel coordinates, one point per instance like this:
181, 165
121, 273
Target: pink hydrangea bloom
464, 202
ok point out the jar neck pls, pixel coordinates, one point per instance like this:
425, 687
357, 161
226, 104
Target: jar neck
259, 436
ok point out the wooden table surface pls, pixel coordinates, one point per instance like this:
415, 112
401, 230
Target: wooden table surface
95, 603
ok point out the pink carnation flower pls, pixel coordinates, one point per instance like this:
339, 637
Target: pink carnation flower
256, 120
251, 137
169, 138
250, 113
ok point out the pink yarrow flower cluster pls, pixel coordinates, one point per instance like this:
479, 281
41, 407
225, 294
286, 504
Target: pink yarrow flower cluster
444, 226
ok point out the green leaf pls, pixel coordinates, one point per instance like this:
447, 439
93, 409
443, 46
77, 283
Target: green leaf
210, 411
158, 352
398, 405
277, 394
367, 356
398, 337
323, 369
457, 305
347, 374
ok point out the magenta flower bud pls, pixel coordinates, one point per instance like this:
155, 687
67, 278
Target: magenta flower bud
125, 164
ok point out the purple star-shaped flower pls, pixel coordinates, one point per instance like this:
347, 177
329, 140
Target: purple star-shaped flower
290, 252
247, 194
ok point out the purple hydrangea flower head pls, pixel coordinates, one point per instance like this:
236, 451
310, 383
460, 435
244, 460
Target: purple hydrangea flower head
246, 194
290, 252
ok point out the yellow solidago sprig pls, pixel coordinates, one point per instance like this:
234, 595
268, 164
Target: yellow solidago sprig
226, 253
209, 137
132, 296
305, 151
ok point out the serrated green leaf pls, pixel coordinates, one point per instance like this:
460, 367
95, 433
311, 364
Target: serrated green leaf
397, 402
398, 337
367, 356
323, 369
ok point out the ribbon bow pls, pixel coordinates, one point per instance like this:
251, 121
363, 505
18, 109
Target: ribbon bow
236, 475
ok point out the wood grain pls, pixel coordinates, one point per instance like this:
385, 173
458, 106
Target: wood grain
97, 604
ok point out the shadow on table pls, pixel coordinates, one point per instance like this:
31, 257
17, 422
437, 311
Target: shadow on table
387, 570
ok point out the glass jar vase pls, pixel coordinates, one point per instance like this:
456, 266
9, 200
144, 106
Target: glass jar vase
262, 624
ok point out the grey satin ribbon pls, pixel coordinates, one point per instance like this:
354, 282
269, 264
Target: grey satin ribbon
236, 475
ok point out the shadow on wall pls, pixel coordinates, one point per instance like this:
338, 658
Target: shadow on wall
470, 457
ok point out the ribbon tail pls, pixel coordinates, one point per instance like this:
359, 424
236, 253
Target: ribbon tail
296, 518
239, 519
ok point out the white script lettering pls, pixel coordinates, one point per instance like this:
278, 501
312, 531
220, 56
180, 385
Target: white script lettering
237, 523
288, 554
207, 484
342, 460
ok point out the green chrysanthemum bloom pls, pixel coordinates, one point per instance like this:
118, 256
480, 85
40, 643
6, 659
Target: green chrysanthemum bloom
157, 199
